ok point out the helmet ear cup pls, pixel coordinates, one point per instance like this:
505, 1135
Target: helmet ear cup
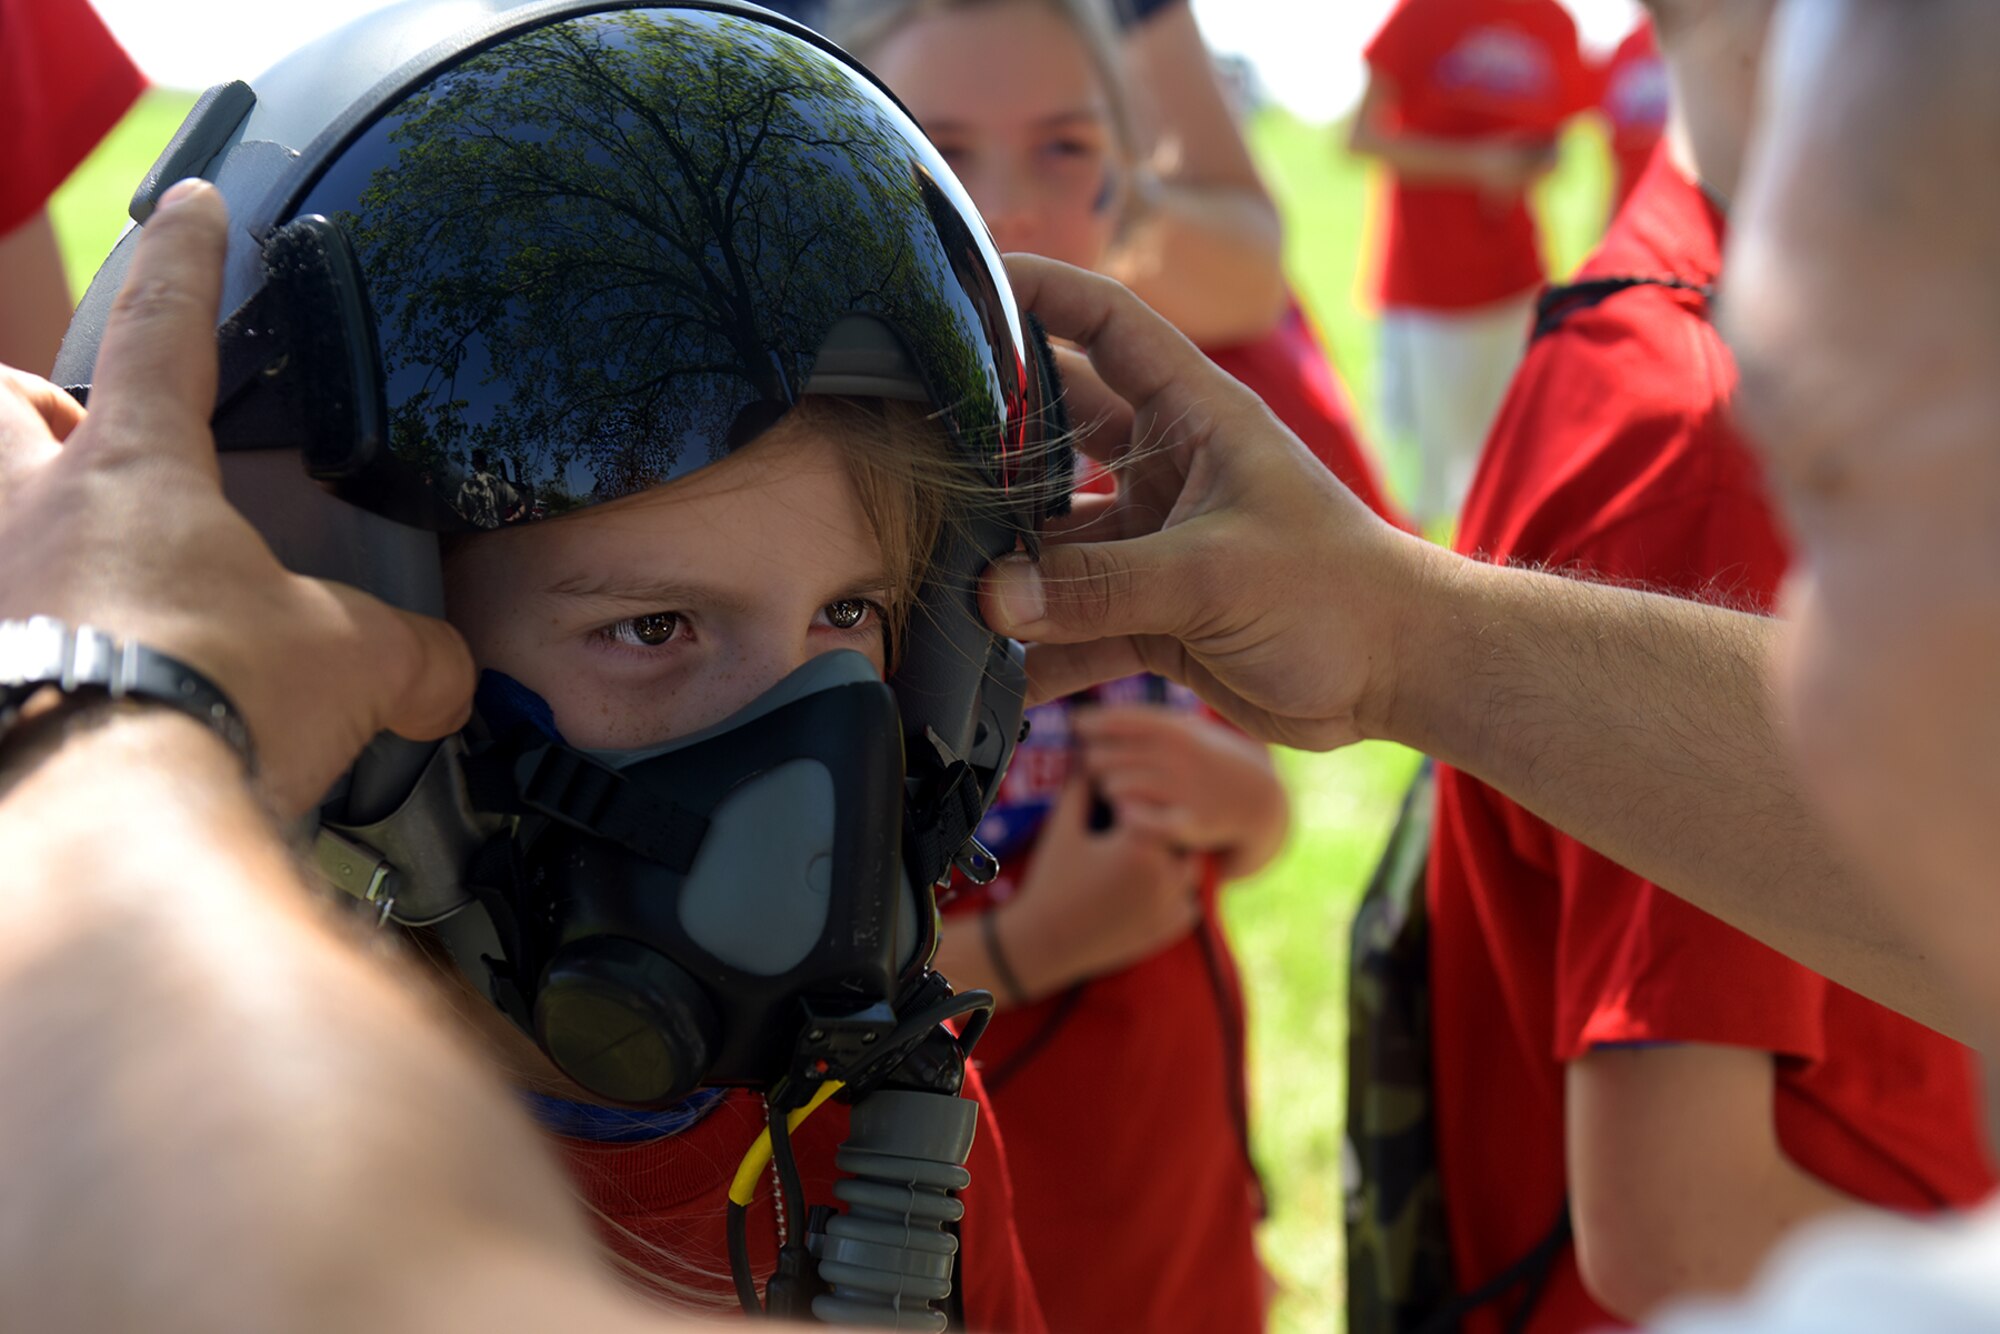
1058, 465
625, 1022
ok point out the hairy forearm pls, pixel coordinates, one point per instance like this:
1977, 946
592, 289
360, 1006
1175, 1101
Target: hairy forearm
239, 1120
1647, 728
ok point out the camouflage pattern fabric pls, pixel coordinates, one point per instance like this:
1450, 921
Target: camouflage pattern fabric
1398, 1259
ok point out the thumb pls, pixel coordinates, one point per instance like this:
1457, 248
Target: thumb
427, 663
1089, 590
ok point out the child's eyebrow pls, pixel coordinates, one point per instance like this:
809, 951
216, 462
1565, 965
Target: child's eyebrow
668, 595
1090, 115
1080, 116
656, 593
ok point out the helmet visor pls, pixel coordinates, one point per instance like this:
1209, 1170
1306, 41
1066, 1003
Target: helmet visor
606, 252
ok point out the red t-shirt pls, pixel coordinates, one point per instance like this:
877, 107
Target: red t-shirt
1288, 368
1124, 1102
1471, 69
661, 1207
1614, 453
64, 82
1634, 99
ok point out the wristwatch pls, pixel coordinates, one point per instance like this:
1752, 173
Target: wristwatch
42, 653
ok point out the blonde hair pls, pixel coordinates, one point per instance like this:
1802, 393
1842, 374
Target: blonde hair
908, 479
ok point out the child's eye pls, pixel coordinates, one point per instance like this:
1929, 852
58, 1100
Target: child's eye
648, 631
848, 613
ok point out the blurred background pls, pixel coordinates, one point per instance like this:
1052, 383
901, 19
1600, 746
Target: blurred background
1299, 70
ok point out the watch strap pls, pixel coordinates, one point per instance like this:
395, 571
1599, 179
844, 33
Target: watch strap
44, 653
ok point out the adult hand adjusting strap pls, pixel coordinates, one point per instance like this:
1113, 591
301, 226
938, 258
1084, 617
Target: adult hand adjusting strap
44, 653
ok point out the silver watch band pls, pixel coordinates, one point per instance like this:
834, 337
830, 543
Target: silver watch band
43, 653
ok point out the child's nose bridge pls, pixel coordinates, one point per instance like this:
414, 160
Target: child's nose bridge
1006, 195
778, 649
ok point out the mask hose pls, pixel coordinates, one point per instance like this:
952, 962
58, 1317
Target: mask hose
888, 1258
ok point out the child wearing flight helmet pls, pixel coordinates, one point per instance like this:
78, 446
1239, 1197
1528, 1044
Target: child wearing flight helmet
656, 348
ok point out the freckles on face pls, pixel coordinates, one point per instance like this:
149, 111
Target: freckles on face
1011, 99
657, 615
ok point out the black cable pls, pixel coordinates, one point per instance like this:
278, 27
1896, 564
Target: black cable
739, 1260
789, 1183
788, 1293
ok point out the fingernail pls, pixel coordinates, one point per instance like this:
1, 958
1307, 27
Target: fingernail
181, 190
1017, 589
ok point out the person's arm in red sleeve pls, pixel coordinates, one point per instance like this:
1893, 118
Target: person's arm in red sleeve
1501, 167
1206, 250
1678, 1184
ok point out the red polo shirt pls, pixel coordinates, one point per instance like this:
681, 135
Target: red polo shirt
660, 1206
1634, 100
64, 82
1614, 452
1471, 69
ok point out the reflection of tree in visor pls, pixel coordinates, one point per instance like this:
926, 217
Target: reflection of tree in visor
606, 254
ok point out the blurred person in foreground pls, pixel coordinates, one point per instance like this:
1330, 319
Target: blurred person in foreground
145, 869
1464, 102
64, 82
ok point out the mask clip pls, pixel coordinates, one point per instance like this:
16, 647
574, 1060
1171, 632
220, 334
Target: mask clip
976, 864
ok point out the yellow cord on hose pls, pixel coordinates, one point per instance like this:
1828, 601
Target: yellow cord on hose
744, 1188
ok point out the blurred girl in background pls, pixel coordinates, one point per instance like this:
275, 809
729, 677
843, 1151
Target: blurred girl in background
1118, 1059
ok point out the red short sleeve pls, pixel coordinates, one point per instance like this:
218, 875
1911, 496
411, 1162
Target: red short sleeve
1636, 964
64, 82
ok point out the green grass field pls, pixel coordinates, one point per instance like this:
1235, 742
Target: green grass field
1290, 924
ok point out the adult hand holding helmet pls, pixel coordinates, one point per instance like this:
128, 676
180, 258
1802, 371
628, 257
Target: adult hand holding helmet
116, 519
1229, 560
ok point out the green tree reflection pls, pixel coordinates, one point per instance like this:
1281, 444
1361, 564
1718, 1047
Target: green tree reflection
603, 252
